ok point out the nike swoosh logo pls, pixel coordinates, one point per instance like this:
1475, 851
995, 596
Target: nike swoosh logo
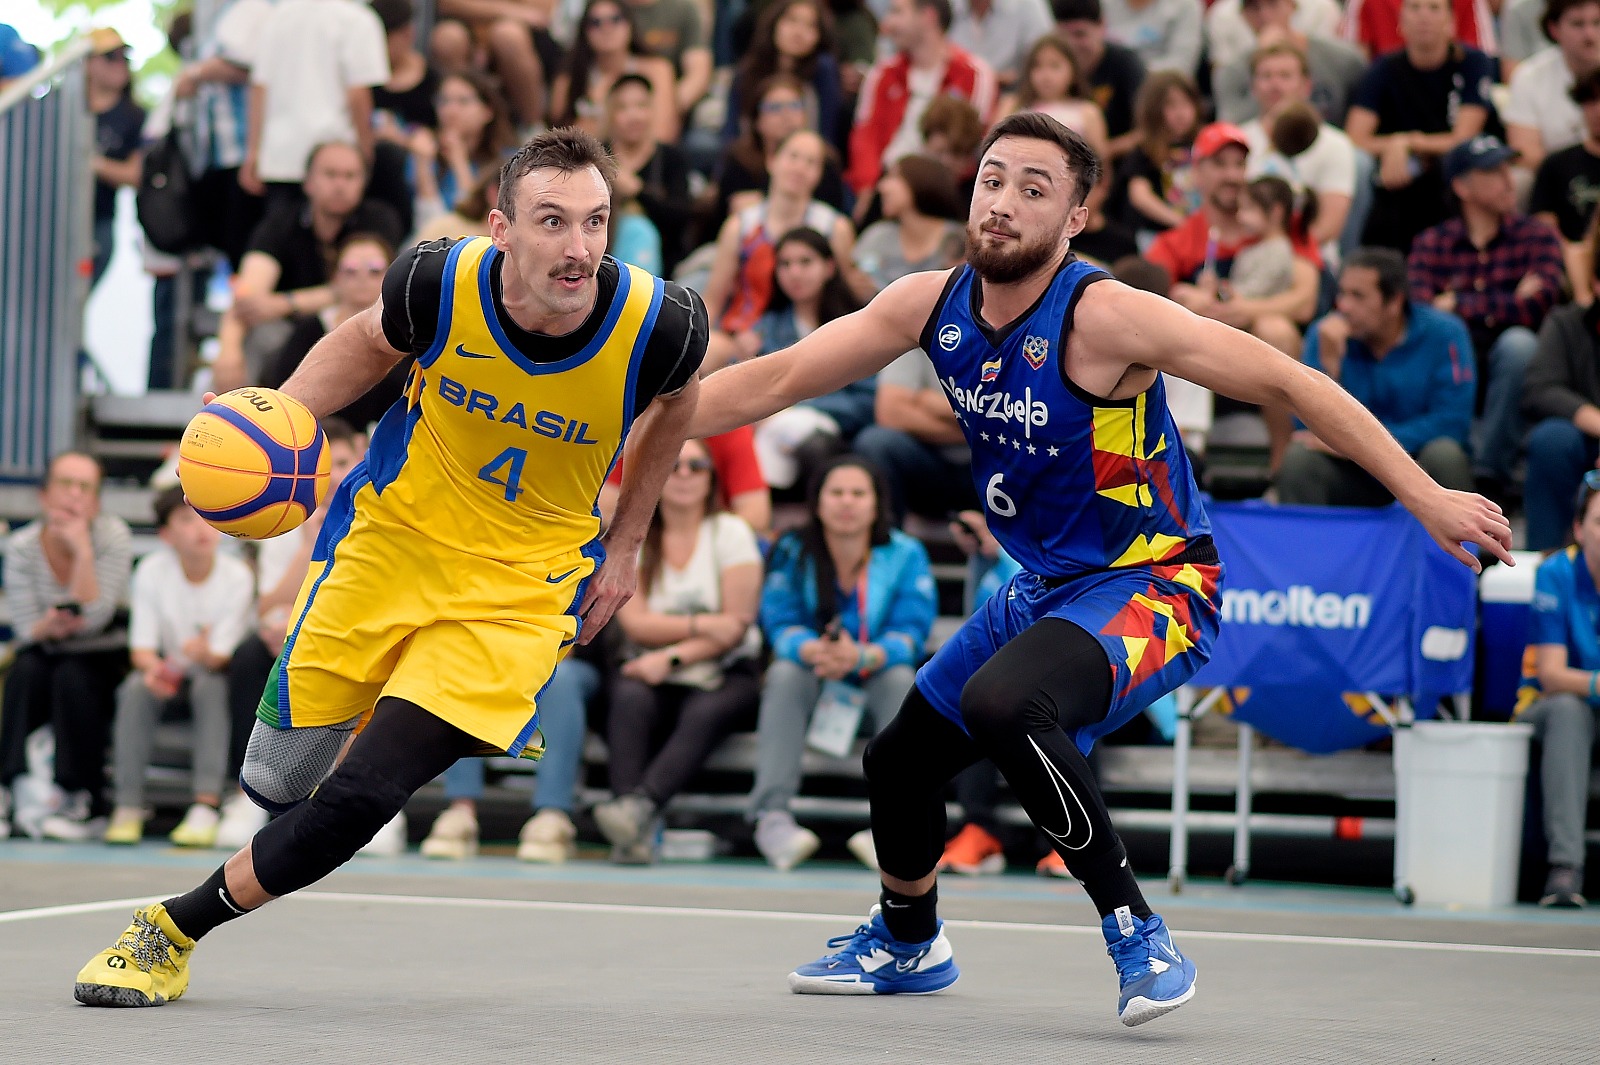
561, 577
1060, 782
465, 354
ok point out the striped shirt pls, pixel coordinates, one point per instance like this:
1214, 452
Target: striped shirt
32, 588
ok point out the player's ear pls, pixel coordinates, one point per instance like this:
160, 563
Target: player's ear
1076, 220
499, 229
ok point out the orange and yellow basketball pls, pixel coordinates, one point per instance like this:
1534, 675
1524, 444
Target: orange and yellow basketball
254, 463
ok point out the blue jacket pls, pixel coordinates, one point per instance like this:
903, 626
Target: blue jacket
1423, 389
901, 603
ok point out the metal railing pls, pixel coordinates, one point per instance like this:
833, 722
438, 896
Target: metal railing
46, 140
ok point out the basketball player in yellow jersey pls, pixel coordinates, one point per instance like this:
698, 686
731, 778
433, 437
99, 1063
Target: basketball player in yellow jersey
459, 562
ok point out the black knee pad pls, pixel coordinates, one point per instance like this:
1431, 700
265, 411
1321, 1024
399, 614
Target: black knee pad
328, 829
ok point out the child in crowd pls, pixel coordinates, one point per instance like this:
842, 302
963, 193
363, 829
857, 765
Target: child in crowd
190, 608
1268, 212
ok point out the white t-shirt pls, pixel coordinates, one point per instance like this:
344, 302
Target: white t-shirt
1328, 166
166, 610
1229, 37
921, 86
725, 541
274, 556
239, 30
310, 53
1539, 99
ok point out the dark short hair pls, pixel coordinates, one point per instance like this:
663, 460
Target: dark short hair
1388, 264
1586, 90
1081, 158
941, 8
631, 78
365, 237
50, 470
1280, 48
166, 503
394, 14
1077, 11
933, 187
322, 146
338, 431
1554, 9
565, 148
1136, 271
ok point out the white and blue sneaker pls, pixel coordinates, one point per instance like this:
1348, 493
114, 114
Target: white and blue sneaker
872, 962
1155, 978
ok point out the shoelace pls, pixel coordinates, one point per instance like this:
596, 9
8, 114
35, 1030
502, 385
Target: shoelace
862, 941
147, 943
1132, 955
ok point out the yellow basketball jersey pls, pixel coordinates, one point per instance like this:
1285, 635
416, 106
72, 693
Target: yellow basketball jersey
498, 456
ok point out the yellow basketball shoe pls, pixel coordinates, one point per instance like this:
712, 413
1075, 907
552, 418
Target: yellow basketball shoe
147, 966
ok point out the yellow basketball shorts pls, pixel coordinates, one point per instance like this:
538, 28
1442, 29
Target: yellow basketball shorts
384, 611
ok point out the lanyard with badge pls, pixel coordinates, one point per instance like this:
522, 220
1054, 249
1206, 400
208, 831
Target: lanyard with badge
837, 717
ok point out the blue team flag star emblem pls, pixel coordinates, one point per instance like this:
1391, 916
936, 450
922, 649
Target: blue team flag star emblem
991, 370
1036, 350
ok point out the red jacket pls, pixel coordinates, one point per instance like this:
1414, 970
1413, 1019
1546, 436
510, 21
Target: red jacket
882, 107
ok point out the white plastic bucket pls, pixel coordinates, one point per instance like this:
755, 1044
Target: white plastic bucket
1459, 796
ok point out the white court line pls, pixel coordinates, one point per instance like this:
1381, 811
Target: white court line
830, 918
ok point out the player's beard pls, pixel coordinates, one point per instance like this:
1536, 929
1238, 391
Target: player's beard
1002, 265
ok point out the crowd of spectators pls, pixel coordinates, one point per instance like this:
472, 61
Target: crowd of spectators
1400, 193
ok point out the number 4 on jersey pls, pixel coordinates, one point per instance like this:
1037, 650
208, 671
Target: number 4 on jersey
512, 458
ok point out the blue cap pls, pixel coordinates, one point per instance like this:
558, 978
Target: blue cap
1480, 153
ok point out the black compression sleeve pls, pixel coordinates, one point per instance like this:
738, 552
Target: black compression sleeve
411, 291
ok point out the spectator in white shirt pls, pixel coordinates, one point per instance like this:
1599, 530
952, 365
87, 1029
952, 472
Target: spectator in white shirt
1000, 32
1231, 37
1280, 80
1165, 33
191, 607
1540, 117
315, 66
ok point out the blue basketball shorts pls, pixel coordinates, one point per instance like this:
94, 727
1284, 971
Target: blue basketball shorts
1157, 625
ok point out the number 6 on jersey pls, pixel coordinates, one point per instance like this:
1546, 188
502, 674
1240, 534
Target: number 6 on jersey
996, 498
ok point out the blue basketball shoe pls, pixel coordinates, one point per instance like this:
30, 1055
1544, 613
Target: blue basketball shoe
872, 962
1155, 978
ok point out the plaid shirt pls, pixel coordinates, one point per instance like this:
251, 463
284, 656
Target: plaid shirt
1485, 280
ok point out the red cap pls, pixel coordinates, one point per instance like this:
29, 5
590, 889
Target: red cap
1217, 136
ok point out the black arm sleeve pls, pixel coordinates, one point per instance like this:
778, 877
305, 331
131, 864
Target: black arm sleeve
676, 348
411, 293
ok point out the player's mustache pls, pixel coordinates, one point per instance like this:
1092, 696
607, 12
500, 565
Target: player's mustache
573, 269
998, 227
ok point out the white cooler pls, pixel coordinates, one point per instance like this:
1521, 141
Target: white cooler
1459, 789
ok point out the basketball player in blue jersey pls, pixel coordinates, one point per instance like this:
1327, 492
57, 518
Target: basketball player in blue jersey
459, 562
1054, 371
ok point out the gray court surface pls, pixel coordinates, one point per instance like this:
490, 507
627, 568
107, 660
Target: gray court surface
407, 961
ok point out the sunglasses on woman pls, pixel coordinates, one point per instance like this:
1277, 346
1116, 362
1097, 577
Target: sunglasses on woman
691, 466
600, 22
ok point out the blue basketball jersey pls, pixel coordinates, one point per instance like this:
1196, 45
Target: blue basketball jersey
1070, 482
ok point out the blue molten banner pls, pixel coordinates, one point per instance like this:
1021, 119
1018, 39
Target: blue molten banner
1321, 604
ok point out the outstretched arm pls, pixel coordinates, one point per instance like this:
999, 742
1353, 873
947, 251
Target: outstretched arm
345, 364
1118, 325
843, 351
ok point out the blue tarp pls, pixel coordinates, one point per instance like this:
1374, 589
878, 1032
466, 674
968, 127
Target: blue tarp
1321, 604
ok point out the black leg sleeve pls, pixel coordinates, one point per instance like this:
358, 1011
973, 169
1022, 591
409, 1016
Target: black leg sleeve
400, 750
1022, 707
908, 765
